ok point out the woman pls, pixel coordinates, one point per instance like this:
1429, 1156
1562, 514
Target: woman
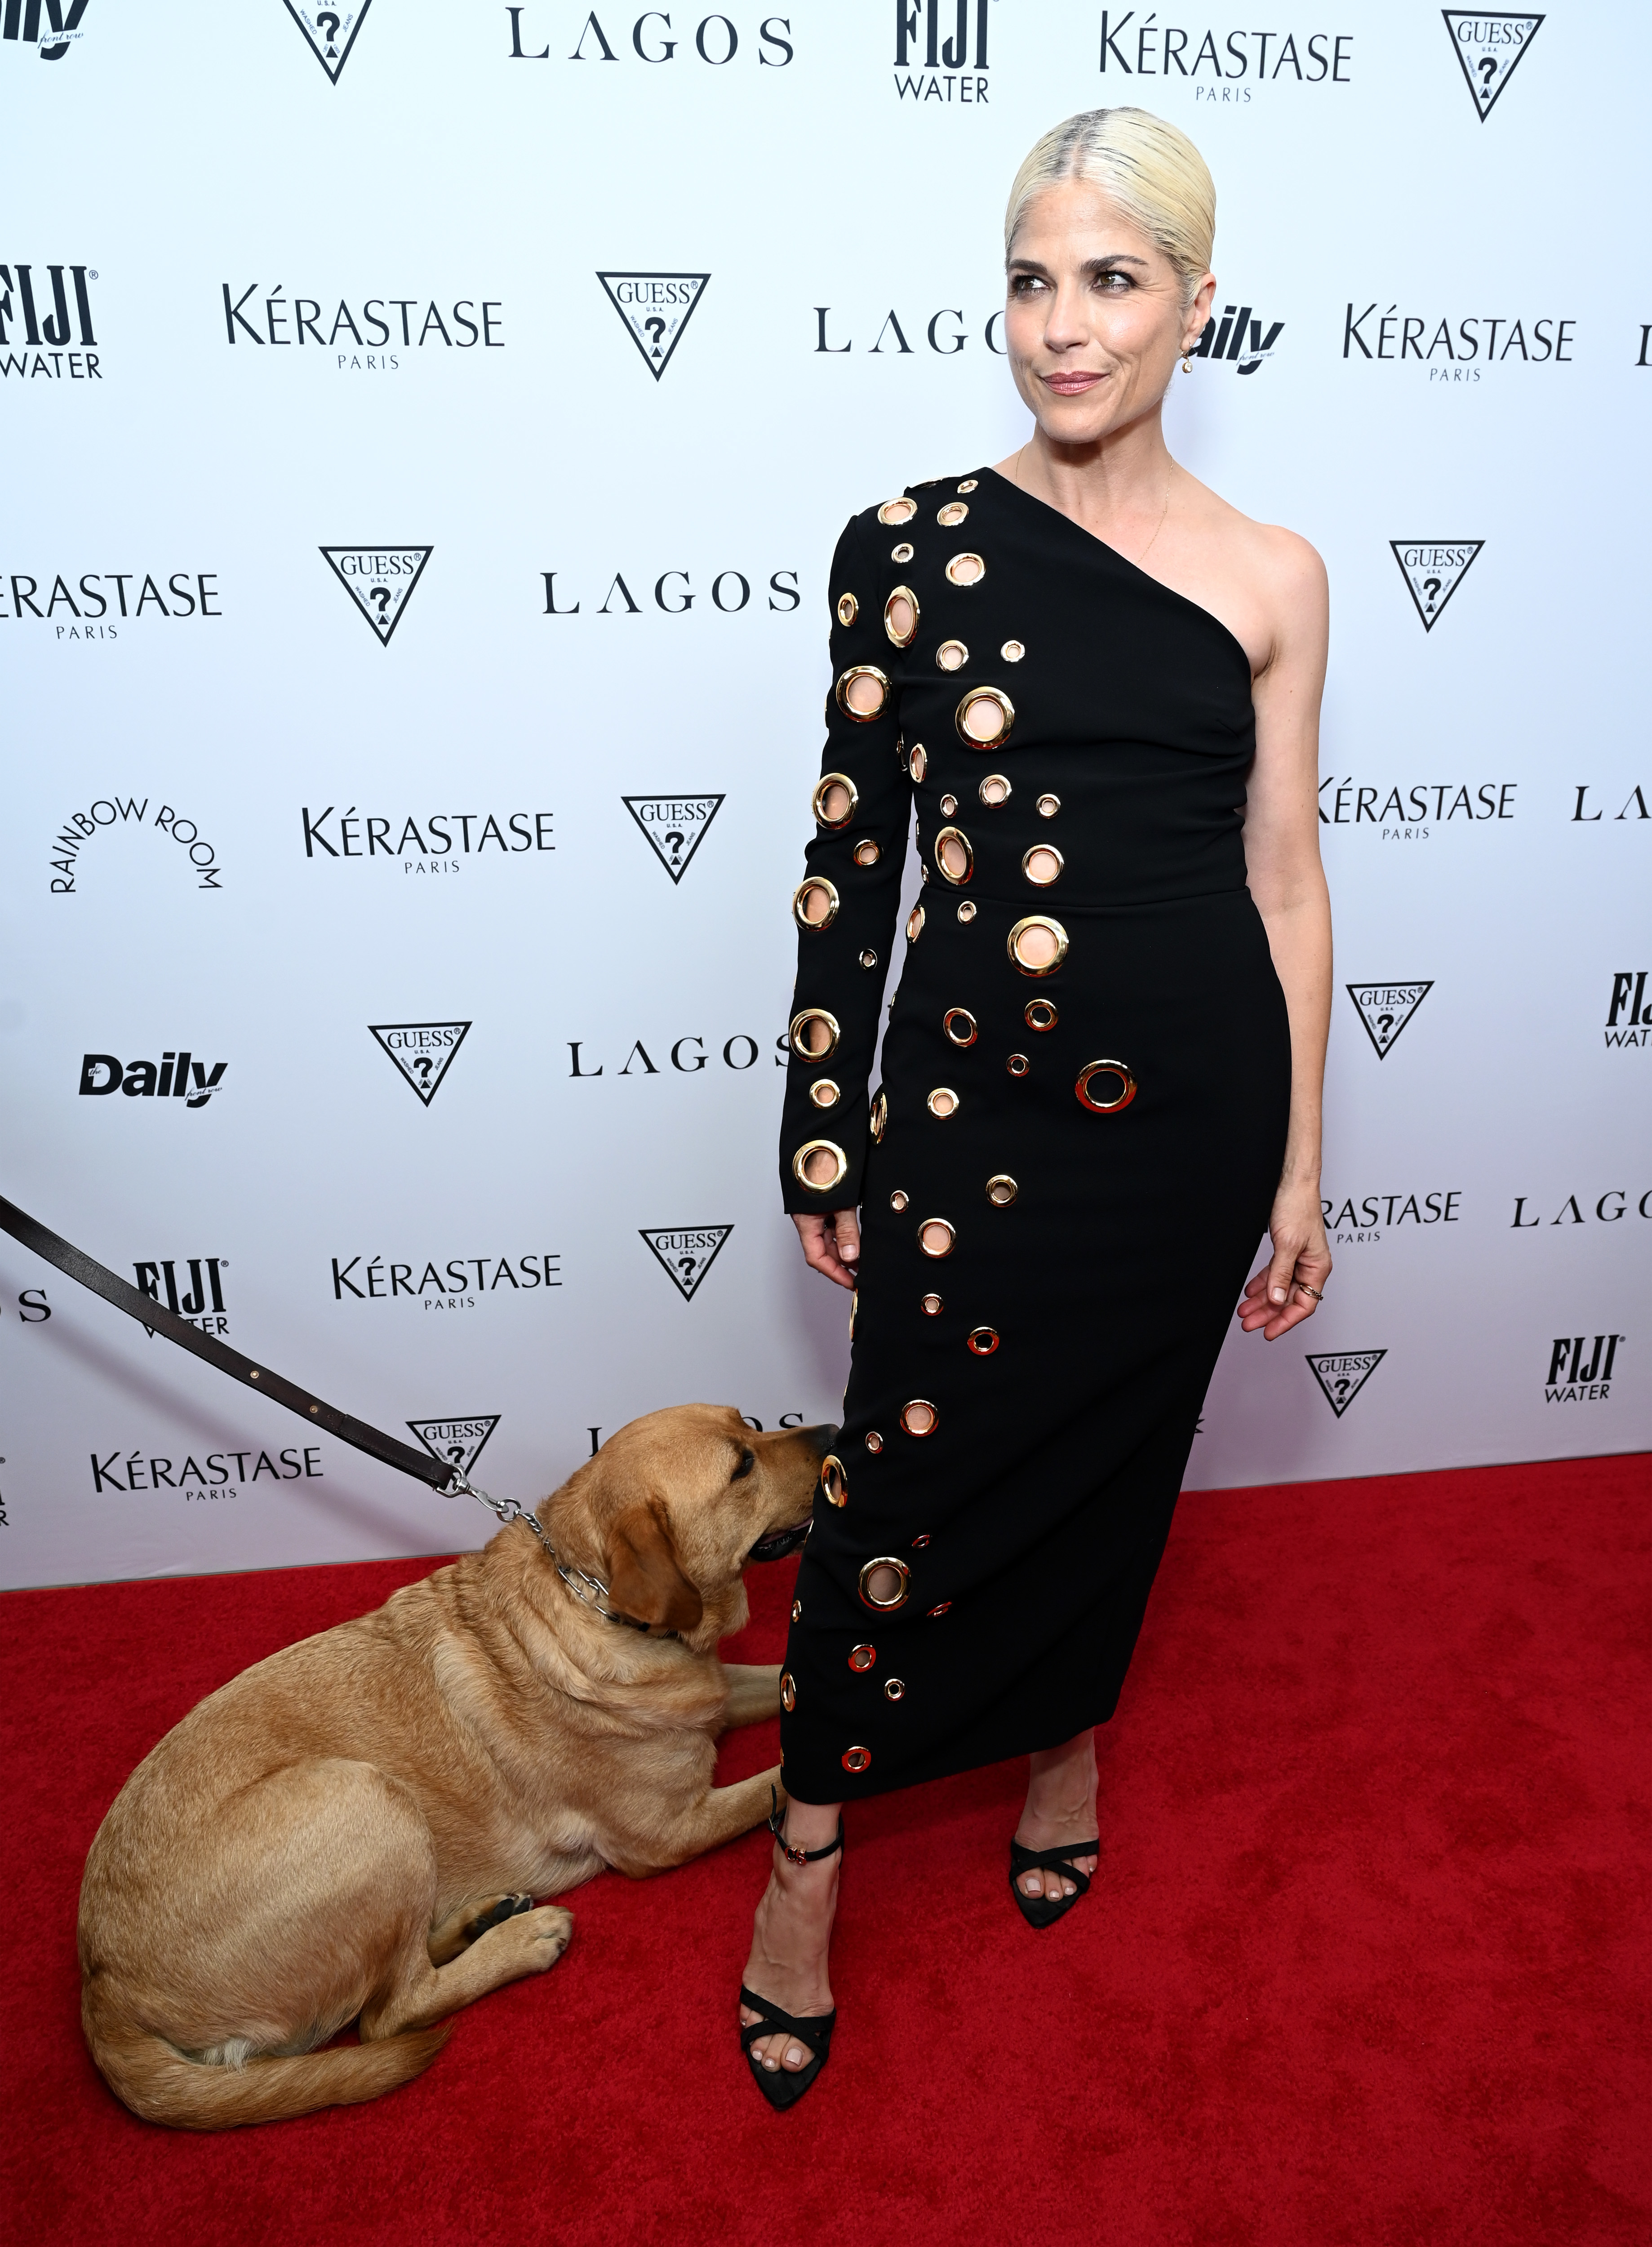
1100, 684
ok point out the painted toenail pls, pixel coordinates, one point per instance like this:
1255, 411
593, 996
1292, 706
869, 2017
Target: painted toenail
794, 2055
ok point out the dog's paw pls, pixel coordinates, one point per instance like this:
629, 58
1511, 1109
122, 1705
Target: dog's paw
495, 1913
551, 1928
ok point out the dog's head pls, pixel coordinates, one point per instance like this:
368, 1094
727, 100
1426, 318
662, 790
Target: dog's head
677, 1502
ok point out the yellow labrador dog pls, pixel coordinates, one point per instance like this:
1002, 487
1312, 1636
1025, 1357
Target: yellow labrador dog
357, 1828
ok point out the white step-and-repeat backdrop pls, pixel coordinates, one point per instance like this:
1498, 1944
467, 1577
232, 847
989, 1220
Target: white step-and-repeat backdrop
426, 428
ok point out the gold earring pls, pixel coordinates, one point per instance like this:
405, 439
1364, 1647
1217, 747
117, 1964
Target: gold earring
1187, 363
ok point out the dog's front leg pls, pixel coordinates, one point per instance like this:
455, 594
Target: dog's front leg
720, 1815
754, 1693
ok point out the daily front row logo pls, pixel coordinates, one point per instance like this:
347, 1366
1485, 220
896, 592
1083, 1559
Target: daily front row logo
686, 1252
331, 31
1238, 338
1342, 1373
1385, 1008
380, 580
654, 310
63, 27
423, 1052
178, 1075
1433, 569
459, 1441
1489, 48
675, 826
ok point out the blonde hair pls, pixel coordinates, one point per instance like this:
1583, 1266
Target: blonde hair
1150, 170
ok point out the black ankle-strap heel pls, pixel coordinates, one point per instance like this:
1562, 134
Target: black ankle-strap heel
782, 2086
1044, 1911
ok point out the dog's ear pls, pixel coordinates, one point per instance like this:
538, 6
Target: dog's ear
645, 1579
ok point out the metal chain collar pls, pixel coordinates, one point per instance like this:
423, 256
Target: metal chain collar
589, 1591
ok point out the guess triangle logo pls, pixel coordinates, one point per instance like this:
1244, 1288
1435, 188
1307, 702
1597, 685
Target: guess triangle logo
458, 1441
1490, 49
1385, 1008
331, 31
655, 308
1342, 1373
423, 1052
1433, 569
379, 579
686, 1252
675, 826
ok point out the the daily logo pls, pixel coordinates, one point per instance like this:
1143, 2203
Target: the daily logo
1629, 1017
686, 1252
675, 826
1236, 339
1489, 48
331, 31
178, 1075
1342, 1373
655, 309
380, 580
63, 26
423, 1052
458, 1442
1433, 569
1385, 1008
1572, 1381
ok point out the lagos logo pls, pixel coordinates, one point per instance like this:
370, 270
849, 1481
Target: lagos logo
1433, 569
1342, 1373
331, 31
423, 1052
458, 1442
1489, 48
675, 826
686, 1252
655, 309
1385, 1008
380, 580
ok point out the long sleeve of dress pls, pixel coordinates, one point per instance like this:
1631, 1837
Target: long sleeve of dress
846, 908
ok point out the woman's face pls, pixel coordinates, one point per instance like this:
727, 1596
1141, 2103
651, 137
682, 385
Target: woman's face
1095, 322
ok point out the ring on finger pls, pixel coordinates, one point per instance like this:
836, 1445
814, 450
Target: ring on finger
1307, 1290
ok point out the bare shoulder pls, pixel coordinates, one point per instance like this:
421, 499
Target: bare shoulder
1280, 560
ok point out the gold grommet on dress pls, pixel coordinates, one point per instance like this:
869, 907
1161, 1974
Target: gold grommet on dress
812, 1162
942, 1101
1042, 864
982, 1340
1048, 806
856, 1759
966, 913
787, 1692
886, 1584
914, 924
949, 805
984, 716
952, 514
920, 764
918, 1416
868, 958
959, 1026
833, 1481
902, 628
898, 1200
853, 688
897, 510
867, 852
894, 1688
936, 1236
824, 1094
994, 791
969, 483
797, 1611
1018, 1064
835, 799
861, 1658
813, 1034
930, 1306
874, 1441
1087, 1088
952, 655
879, 1116
814, 903
941, 1608
954, 855
901, 553
1001, 1190
848, 608
1012, 651
965, 569
1041, 1014
1037, 946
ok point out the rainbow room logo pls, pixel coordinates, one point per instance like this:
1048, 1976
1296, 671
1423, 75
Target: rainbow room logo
654, 310
1490, 49
331, 33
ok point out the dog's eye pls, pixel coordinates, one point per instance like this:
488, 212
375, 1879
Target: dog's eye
747, 1461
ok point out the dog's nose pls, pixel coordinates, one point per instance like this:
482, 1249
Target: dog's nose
823, 1438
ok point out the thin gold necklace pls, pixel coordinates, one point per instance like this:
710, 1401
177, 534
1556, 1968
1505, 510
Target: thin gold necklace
1015, 474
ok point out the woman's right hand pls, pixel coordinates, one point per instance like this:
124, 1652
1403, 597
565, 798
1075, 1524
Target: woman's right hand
831, 1244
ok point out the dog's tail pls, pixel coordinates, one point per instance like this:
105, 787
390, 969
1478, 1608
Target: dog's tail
158, 2082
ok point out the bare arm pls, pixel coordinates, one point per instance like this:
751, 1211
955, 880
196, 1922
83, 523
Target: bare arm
1286, 880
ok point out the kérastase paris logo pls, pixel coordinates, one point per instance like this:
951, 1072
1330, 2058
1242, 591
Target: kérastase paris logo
1489, 48
1433, 569
423, 1052
686, 1252
459, 1441
1342, 1373
331, 31
380, 580
675, 826
656, 308
1385, 1008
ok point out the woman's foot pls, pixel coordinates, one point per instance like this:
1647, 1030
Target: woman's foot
1061, 1808
792, 1933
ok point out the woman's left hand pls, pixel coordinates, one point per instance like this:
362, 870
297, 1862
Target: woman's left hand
1288, 1288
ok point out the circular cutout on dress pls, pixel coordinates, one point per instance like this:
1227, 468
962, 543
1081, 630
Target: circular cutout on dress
1018, 1064
935, 1237
1012, 651
1037, 946
984, 716
835, 799
874, 1441
1041, 1014
861, 692
1001, 1190
787, 1692
857, 1759
918, 1543
879, 1117
1042, 864
813, 1034
955, 857
898, 1200
920, 1417
966, 913
965, 569
981, 1341
867, 853
861, 1658
901, 553
941, 1609
949, 805
824, 1094
952, 514
820, 1164
848, 608
833, 1481
900, 616
886, 1584
969, 483
920, 764
952, 655
1104, 1087
1048, 806
959, 1026
994, 791
894, 1688
943, 1102
914, 924
895, 511
868, 958
930, 1306
814, 903
797, 1611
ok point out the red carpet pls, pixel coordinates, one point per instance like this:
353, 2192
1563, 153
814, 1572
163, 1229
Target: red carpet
1366, 1960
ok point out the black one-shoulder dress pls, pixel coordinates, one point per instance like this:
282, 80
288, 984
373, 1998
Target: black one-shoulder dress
1070, 1163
